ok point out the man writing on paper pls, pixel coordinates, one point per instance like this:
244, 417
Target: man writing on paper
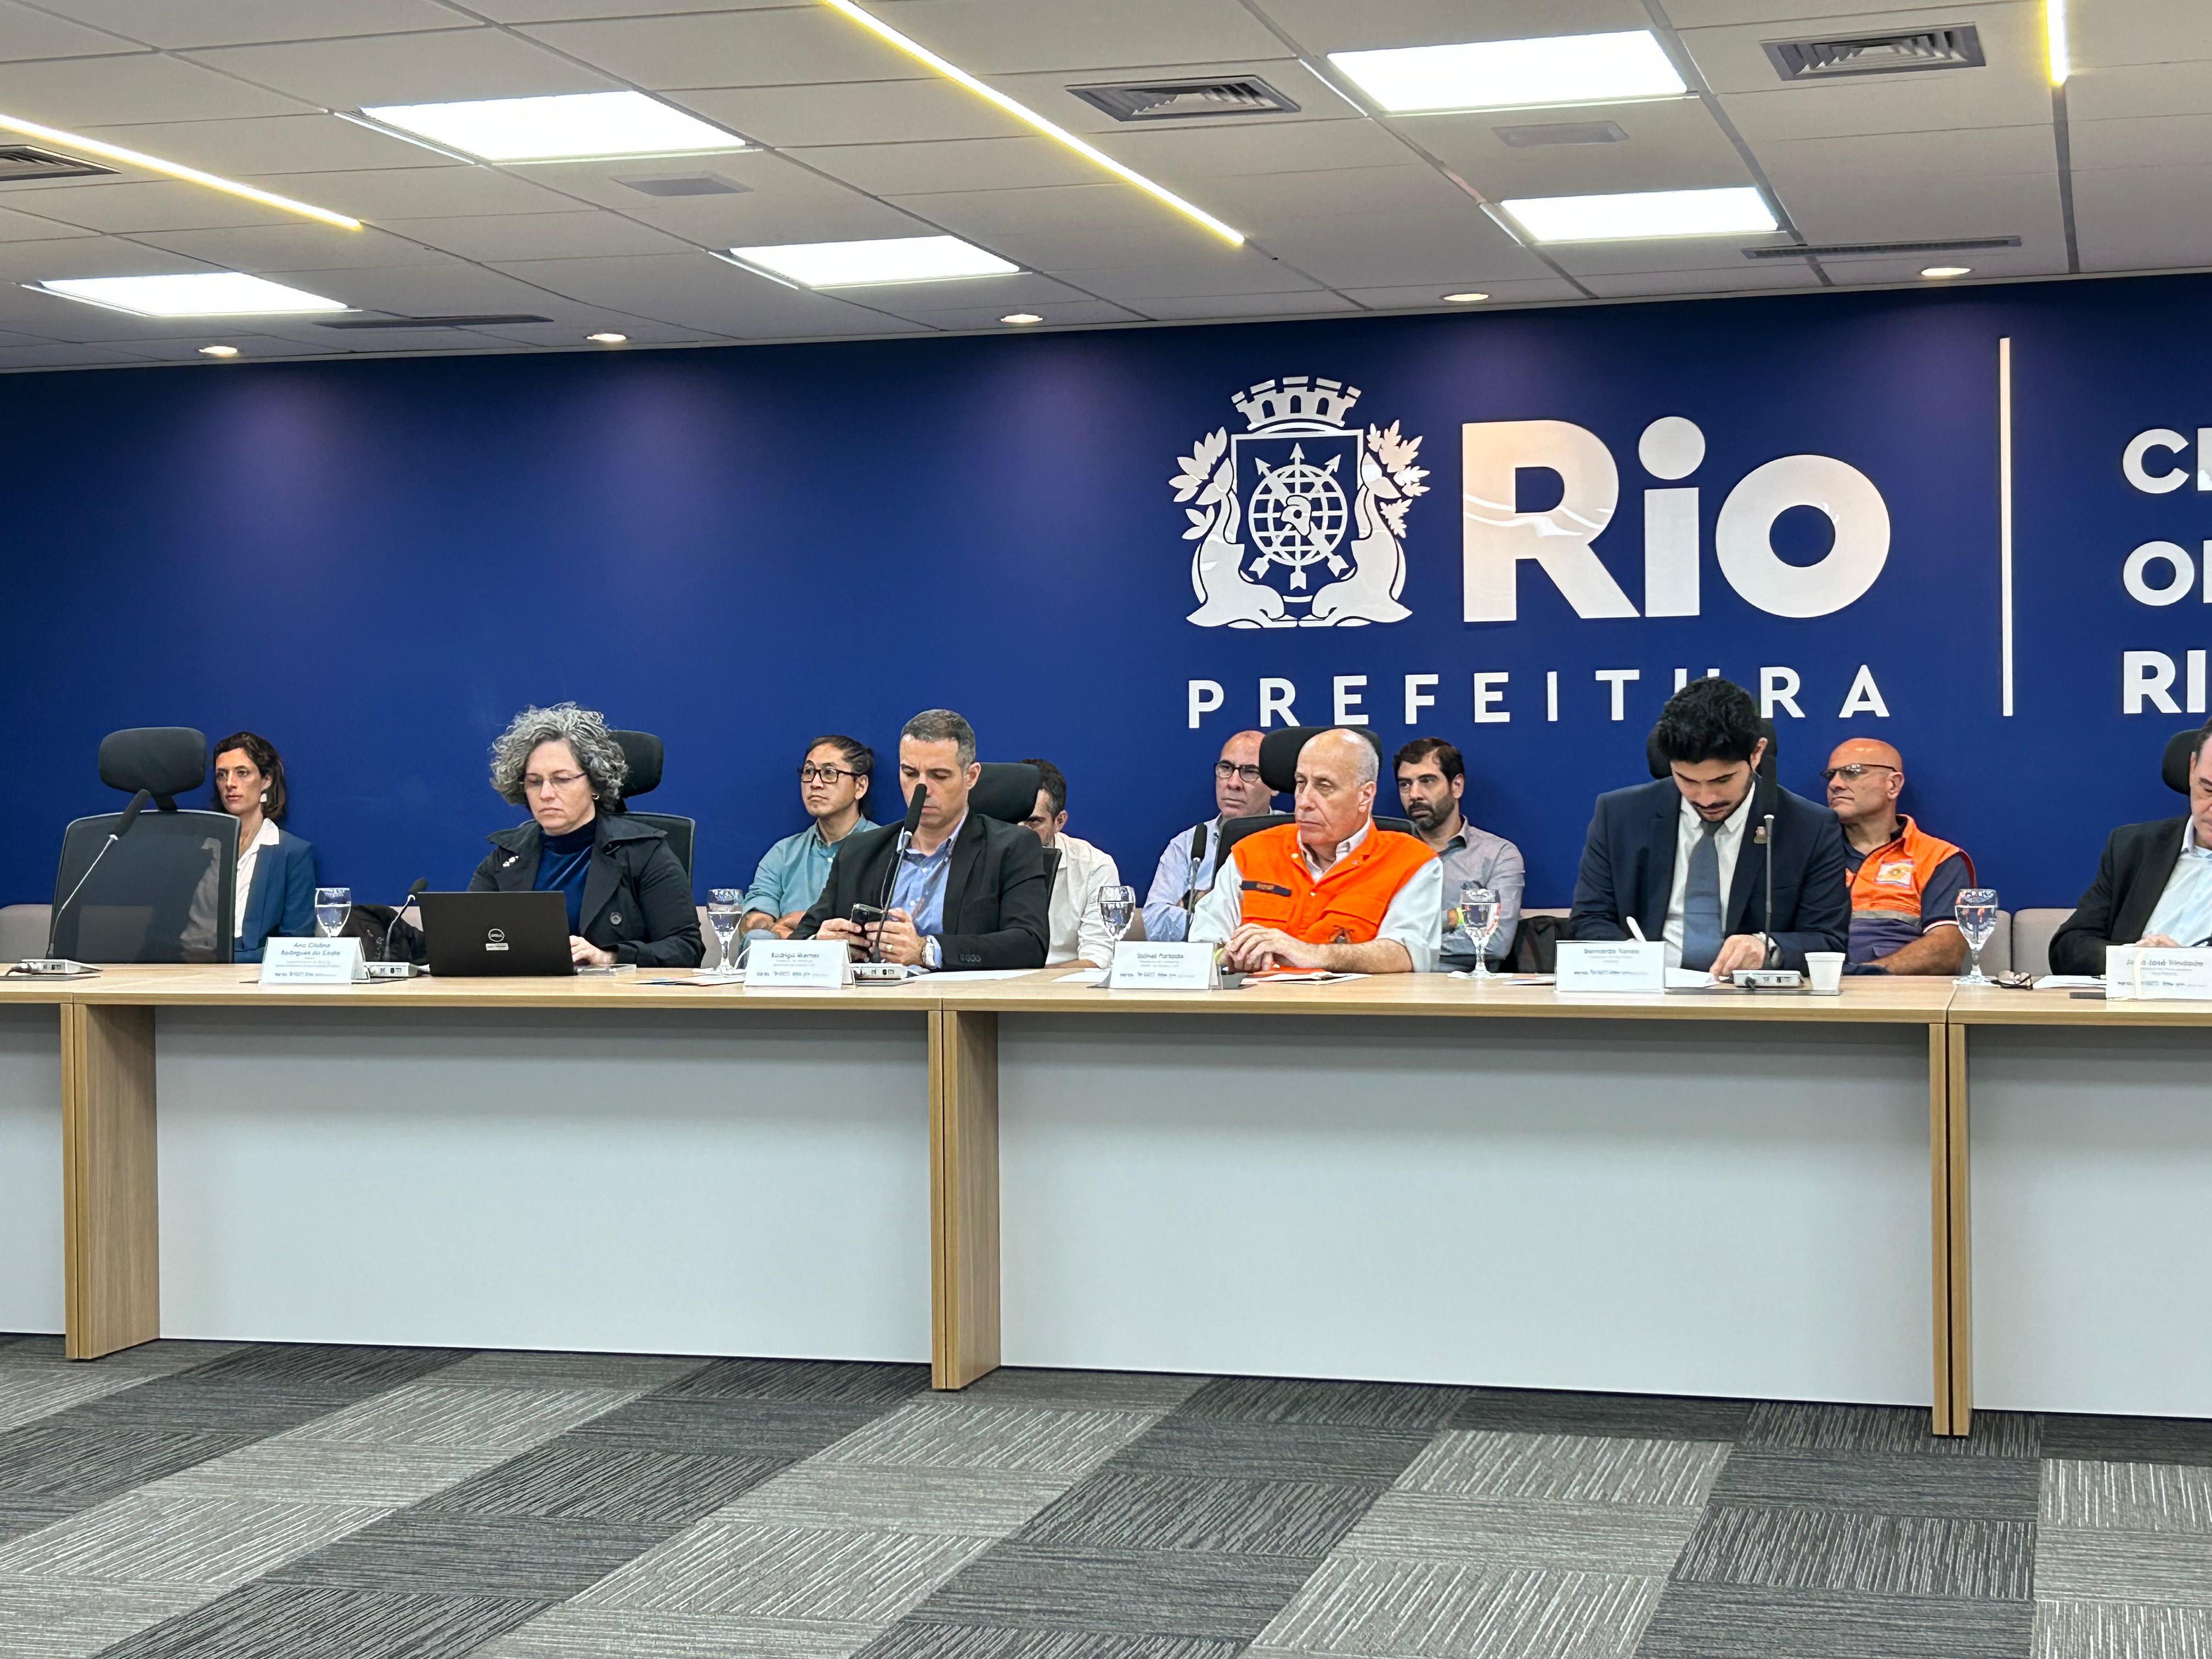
1682, 856
2153, 883
1905, 883
1238, 793
1330, 891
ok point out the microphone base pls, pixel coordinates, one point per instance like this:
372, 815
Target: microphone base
1769, 979
392, 970
52, 968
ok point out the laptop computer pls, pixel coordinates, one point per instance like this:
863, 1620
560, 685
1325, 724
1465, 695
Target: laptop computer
501, 934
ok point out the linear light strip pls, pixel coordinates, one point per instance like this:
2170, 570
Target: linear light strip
1022, 112
174, 169
2005, 514
2054, 29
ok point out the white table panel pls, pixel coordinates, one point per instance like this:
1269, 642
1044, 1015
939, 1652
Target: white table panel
30, 1169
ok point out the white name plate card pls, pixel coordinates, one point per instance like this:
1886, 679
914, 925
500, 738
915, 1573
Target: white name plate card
1605, 965
809, 964
1144, 966
313, 962
2135, 975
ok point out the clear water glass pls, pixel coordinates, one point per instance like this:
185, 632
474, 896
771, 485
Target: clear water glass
332, 905
726, 908
1976, 913
1477, 920
1116, 906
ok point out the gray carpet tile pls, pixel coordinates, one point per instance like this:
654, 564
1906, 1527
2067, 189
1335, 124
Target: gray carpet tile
970, 1503
2121, 1630
157, 1359
1901, 1429
1130, 1509
529, 1558
16, 1519
949, 1434
569, 1480
391, 1477
1655, 1417
1723, 1621
806, 1573
42, 1621
212, 1543
511, 1368
466, 1418
1519, 1532
304, 1621
1110, 1391
1357, 1608
2129, 1440
1124, 1592
307, 1365
2080, 1565
2131, 1497
570, 1631
1894, 1483
1263, 1451
789, 1429
1352, 1405
1569, 1469
29, 1391
1871, 1554
187, 1402
51, 1461
917, 1641
828, 1381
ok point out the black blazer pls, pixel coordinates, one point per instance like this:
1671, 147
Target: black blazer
2131, 876
1628, 869
997, 903
637, 900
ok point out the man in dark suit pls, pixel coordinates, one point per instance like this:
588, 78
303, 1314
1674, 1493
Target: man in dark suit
1685, 855
967, 891
2154, 883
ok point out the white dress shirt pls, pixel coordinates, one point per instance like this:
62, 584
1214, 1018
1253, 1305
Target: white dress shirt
1078, 929
1727, 841
2184, 911
248, 857
1414, 916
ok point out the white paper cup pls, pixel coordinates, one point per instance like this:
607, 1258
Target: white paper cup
1827, 968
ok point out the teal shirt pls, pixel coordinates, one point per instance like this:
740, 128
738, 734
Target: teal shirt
792, 873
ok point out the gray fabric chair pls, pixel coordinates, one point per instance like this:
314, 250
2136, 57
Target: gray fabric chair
23, 931
2032, 931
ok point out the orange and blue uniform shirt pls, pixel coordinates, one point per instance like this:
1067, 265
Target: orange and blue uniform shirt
1901, 890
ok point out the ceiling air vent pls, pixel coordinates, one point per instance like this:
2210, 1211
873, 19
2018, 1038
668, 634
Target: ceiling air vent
1879, 250
1896, 52
1561, 132
688, 183
1186, 100
20, 162
487, 321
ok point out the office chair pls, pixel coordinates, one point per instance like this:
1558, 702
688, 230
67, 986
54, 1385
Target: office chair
1279, 770
644, 753
168, 890
2181, 750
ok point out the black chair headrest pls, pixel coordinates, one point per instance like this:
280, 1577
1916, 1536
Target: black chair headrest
2180, 752
643, 752
1657, 762
1278, 752
164, 761
1007, 791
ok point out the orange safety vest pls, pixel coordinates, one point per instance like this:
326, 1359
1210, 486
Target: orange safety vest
1345, 906
1887, 889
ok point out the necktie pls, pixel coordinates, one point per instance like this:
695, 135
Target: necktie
1701, 902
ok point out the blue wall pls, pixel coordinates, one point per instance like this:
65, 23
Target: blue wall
376, 564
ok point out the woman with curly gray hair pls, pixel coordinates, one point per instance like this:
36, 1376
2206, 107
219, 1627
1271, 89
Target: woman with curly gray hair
628, 899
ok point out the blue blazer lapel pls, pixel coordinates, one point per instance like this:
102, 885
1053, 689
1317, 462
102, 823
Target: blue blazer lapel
1660, 867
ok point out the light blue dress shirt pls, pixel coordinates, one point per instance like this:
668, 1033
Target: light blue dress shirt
2184, 911
919, 887
1164, 917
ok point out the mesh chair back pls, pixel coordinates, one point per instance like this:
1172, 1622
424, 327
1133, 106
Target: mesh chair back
166, 892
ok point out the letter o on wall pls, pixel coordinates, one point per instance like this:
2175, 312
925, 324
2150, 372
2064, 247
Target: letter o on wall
1742, 537
2139, 561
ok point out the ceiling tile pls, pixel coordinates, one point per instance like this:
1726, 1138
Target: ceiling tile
539, 236
560, 11
439, 290
1428, 296
950, 165
2139, 32
1065, 225
1325, 26
1231, 271
1674, 253
17, 358
81, 256
2140, 89
1459, 249
1935, 204
1225, 307
25, 33
1072, 37
2144, 219
294, 246
703, 293
1260, 204
733, 49
782, 201
404, 69
1877, 105
227, 23
1069, 314
1048, 96
163, 204
851, 112
81, 92
17, 226
1179, 150
2148, 142
568, 335
1674, 145
1812, 163
415, 192
2013, 262
1746, 278
295, 143
1788, 19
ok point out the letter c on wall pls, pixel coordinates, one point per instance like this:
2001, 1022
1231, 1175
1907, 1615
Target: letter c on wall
1741, 537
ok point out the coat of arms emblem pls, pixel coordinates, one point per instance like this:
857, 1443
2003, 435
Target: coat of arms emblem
1300, 520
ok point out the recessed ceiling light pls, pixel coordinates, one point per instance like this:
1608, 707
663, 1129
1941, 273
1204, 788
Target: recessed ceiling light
1469, 298
198, 294
1948, 270
1021, 317
174, 169
1738, 210
572, 127
856, 265
609, 340
1557, 69
219, 351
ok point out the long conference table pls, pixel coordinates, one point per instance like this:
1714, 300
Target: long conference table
1416, 1178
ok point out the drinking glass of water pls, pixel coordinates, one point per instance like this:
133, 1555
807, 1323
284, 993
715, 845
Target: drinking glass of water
1117, 905
1478, 919
332, 905
726, 908
1976, 913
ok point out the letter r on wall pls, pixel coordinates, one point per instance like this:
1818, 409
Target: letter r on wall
1496, 536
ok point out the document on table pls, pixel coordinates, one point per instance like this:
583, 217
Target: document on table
2070, 982
1298, 976
1083, 976
1692, 979
738, 978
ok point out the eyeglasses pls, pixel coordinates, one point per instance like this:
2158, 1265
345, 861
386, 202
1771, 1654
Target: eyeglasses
825, 774
1855, 771
532, 784
1227, 769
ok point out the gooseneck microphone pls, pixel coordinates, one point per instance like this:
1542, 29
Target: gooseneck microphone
915, 802
1771, 958
1197, 859
138, 804
422, 885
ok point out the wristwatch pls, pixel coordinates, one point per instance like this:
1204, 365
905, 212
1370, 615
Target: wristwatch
933, 953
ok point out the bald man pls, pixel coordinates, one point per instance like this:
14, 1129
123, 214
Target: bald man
1903, 883
1329, 890
1186, 868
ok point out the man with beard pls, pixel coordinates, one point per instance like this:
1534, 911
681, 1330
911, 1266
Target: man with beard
1431, 789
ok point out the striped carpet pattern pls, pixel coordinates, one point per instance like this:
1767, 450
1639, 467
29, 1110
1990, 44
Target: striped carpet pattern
191, 1500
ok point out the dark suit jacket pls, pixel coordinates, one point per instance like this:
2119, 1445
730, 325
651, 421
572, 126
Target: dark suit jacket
281, 900
997, 903
637, 900
1628, 869
2131, 875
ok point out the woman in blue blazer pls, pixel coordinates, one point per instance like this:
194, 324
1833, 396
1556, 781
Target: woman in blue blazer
276, 868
